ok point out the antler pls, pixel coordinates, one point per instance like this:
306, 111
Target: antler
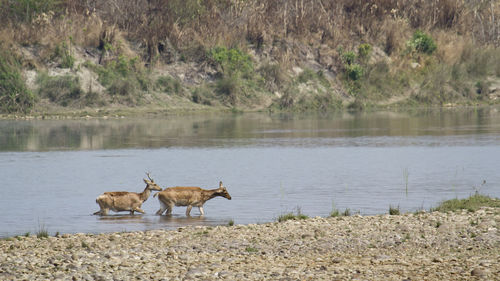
149, 176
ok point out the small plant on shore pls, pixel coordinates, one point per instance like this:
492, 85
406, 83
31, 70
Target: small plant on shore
406, 237
27, 234
394, 210
472, 204
334, 213
42, 232
347, 212
85, 245
251, 250
292, 216
230, 223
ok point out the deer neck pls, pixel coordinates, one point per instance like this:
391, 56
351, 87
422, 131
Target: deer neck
145, 194
209, 194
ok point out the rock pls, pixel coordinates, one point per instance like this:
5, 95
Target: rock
477, 272
362, 247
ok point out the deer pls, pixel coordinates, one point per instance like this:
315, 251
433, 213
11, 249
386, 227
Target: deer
188, 196
119, 201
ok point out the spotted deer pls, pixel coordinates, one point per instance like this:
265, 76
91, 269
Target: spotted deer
119, 201
188, 196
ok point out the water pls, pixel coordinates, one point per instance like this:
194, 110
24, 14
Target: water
52, 171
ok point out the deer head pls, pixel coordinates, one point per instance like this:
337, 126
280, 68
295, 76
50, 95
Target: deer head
150, 184
221, 191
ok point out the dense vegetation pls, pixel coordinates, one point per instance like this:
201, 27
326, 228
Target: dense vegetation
280, 55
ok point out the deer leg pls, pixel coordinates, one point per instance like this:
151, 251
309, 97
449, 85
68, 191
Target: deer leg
188, 210
162, 209
137, 209
202, 213
170, 206
97, 213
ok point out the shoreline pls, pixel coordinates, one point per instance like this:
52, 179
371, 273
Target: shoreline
458, 245
156, 112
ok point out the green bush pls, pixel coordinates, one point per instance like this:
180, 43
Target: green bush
232, 61
274, 76
14, 95
422, 43
124, 79
63, 90
168, 84
63, 52
349, 57
306, 75
202, 95
354, 72
229, 88
364, 51
27, 10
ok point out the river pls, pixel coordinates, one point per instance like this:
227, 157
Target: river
51, 171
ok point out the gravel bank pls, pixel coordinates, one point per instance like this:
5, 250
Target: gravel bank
430, 246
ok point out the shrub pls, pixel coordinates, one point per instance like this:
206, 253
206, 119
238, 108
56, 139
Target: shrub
228, 88
63, 52
202, 95
232, 61
62, 90
422, 43
348, 57
168, 84
14, 95
306, 75
27, 10
274, 76
364, 51
354, 72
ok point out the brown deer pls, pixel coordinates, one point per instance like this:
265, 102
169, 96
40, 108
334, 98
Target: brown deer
119, 201
188, 196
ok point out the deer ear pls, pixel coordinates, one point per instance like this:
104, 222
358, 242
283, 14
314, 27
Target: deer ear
145, 180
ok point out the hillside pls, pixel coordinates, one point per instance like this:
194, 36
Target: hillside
98, 57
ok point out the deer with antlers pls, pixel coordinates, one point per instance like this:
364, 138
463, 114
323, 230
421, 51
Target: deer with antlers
188, 196
119, 201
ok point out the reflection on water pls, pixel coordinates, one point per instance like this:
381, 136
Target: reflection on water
52, 171
246, 130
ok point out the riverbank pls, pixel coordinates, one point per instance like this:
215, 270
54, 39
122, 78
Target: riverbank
458, 245
246, 55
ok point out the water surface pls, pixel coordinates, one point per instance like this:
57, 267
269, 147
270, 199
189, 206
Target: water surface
52, 171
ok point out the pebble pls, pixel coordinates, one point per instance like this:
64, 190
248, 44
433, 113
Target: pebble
403, 247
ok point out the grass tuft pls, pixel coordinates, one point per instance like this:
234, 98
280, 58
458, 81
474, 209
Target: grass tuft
292, 216
42, 232
251, 250
394, 210
472, 203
